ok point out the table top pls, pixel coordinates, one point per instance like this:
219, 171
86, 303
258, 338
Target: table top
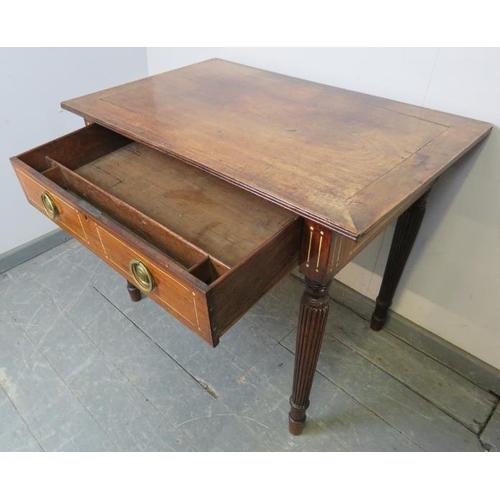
340, 158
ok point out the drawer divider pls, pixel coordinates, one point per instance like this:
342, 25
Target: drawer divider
182, 251
208, 270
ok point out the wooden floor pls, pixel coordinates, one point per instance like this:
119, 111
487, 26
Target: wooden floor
83, 368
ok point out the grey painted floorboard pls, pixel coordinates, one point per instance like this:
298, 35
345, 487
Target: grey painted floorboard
122, 411
126, 415
84, 368
398, 403
14, 433
406, 411
491, 433
235, 372
55, 416
334, 416
446, 389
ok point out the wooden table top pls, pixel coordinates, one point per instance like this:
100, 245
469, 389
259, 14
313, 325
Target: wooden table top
340, 158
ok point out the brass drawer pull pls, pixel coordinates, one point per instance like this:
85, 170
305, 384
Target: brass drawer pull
49, 205
142, 275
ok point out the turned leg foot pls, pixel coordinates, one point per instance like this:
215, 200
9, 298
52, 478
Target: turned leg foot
379, 316
404, 237
296, 418
134, 292
311, 329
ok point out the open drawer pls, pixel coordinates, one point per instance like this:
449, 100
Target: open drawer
201, 248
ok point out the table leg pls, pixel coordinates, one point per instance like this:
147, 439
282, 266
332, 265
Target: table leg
134, 292
404, 237
311, 329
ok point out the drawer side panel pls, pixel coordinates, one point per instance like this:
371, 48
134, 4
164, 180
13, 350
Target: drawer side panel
233, 295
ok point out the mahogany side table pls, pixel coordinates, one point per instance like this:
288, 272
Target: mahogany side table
205, 185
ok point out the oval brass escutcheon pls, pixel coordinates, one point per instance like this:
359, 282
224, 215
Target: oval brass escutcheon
142, 275
49, 205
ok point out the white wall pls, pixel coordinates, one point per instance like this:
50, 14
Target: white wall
33, 82
452, 279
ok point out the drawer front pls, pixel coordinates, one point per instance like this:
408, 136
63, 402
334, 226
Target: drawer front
169, 290
191, 281
117, 246
66, 215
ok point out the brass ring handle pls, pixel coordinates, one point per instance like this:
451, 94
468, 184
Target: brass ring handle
142, 276
49, 205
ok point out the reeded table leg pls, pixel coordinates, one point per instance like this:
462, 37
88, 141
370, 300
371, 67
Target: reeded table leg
311, 329
404, 237
134, 292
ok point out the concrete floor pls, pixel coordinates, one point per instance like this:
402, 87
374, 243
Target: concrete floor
84, 369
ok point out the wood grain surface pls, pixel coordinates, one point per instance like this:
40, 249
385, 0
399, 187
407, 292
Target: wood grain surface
339, 158
224, 221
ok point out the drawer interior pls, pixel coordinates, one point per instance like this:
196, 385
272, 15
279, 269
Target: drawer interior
204, 224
